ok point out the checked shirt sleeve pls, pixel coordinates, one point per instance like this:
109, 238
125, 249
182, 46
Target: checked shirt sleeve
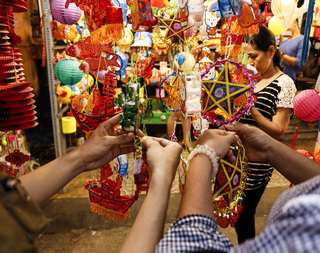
194, 233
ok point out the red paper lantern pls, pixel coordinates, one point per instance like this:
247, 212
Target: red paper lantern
306, 105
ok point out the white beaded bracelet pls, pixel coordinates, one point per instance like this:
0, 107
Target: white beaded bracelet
205, 149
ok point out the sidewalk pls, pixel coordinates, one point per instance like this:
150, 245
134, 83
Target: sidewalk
72, 227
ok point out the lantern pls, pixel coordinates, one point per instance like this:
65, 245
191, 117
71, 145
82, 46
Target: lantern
275, 25
67, 16
306, 105
126, 41
287, 11
68, 72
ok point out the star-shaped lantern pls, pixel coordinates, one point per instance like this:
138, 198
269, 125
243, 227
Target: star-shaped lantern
228, 188
222, 92
173, 91
175, 26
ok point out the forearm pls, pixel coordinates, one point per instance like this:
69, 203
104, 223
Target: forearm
268, 126
47, 180
197, 194
289, 59
295, 167
147, 229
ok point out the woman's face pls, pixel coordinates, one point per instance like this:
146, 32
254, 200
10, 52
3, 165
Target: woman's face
259, 59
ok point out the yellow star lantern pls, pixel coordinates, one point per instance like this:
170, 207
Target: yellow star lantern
173, 92
175, 26
228, 188
221, 92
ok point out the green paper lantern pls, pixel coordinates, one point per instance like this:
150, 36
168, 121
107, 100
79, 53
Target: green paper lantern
68, 72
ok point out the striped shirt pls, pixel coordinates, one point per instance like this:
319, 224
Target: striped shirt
279, 93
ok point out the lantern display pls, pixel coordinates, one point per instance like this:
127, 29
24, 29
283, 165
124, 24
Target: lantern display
306, 105
68, 72
67, 16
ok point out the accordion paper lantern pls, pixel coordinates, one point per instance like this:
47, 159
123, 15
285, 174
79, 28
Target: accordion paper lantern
67, 16
306, 105
68, 72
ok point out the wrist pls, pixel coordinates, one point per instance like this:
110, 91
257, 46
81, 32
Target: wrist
205, 150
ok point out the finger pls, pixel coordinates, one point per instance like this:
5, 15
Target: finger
120, 139
147, 142
111, 123
163, 142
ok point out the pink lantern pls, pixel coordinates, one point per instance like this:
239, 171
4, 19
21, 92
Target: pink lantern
67, 16
306, 105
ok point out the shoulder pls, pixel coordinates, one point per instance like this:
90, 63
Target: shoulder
285, 81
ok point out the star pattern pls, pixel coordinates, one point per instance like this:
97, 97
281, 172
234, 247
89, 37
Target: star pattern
229, 178
173, 91
222, 92
175, 27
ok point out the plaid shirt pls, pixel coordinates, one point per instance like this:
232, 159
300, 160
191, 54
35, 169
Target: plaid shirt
293, 225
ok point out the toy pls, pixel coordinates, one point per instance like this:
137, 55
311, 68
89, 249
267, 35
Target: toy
130, 119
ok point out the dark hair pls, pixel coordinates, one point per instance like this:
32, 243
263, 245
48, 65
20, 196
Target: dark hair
263, 40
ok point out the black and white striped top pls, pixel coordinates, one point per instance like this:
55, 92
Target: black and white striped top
279, 93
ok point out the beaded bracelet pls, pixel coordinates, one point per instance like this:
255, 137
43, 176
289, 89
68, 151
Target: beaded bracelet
205, 149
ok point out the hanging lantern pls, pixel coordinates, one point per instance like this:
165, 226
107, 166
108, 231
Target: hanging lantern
275, 25
67, 16
287, 11
68, 72
306, 105
126, 41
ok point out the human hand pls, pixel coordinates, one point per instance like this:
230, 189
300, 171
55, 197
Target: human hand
163, 157
255, 141
106, 143
220, 141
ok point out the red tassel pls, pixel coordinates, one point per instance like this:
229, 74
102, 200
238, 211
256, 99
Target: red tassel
294, 136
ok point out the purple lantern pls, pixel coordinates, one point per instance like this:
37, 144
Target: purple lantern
67, 16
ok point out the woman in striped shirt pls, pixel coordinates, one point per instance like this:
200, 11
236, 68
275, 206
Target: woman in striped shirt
272, 111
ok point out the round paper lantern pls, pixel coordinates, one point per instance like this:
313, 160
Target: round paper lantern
306, 105
67, 16
275, 25
68, 72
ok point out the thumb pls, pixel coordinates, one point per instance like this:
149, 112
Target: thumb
120, 139
148, 141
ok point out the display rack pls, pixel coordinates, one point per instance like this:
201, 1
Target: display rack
59, 138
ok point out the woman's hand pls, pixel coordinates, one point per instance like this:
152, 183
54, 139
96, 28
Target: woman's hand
220, 141
163, 157
105, 144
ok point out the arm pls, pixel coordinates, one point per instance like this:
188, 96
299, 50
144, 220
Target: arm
103, 146
261, 147
197, 195
163, 157
279, 124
